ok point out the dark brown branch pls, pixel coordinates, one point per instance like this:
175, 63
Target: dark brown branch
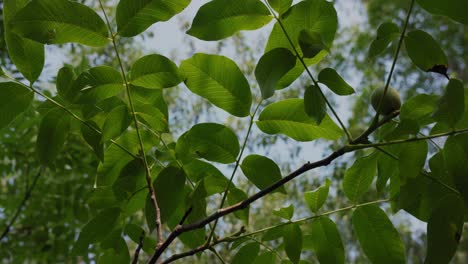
26, 197
139, 247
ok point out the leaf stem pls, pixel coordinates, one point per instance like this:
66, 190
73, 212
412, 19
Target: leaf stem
140, 140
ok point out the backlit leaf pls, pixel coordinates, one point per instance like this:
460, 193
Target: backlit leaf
14, 100
292, 236
455, 9
261, 171
53, 132
314, 103
451, 105
386, 33
116, 123
359, 177
411, 159
154, 72
333, 80
316, 198
246, 254
326, 241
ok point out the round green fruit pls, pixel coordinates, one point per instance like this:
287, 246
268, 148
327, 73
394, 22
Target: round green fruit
390, 103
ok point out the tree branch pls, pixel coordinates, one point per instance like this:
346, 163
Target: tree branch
139, 247
26, 197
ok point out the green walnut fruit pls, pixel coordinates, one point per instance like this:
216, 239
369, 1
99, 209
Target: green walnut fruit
390, 103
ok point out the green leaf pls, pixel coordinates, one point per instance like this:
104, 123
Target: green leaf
154, 72
152, 117
311, 43
377, 236
93, 138
288, 117
115, 249
444, 230
316, 15
455, 9
272, 66
326, 241
131, 178
64, 82
219, 80
386, 33
246, 254
169, 189
387, 167
280, 6
292, 236
60, 21
314, 103
316, 198
236, 195
333, 80
135, 16
425, 52
14, 100
265, 258
53, 132
262, 171
456, 154
27, 55
213, 142
411, 159
116, 123
285, 212
100, 83
419, 108
220, 19
358, 178
451, 105
96, 230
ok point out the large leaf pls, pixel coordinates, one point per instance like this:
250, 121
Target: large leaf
292, 236
219, 19
411, 159
155, 71
317, 16
218, 79
451, 105
377, 236
246, 254
386, 33
116, 123
425, 52
333, 80
455, 9
358, 177
135, 16
280, 6
288, 117
14, 100
316, 198
314, 103
96, 230
53, 132
262, 171
60, 21
419, 108
27, 55
326, 241
169, 189
444, 230
152, 117
102, 82
213, 142
271, 67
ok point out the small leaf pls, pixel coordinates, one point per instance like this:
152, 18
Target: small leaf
292, 236
285, 212
377, 236
311, 43
27, 55
261, 171
169, 189
116, 123
135, 16
289, 117
219, 80
64, 82
280, 6
333, 80
358, 178
273, 65
314, 103
60, 21
316, 198
246, 254
219, 19
326, 241
96, 230
411, 159
14, 100
236, 195
386, 33
424, 51
211, 141
53, 132
451, 105
154, 72
444, 230
455, 9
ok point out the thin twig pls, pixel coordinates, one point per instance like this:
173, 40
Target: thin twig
139, 247
140, 140
26, 197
